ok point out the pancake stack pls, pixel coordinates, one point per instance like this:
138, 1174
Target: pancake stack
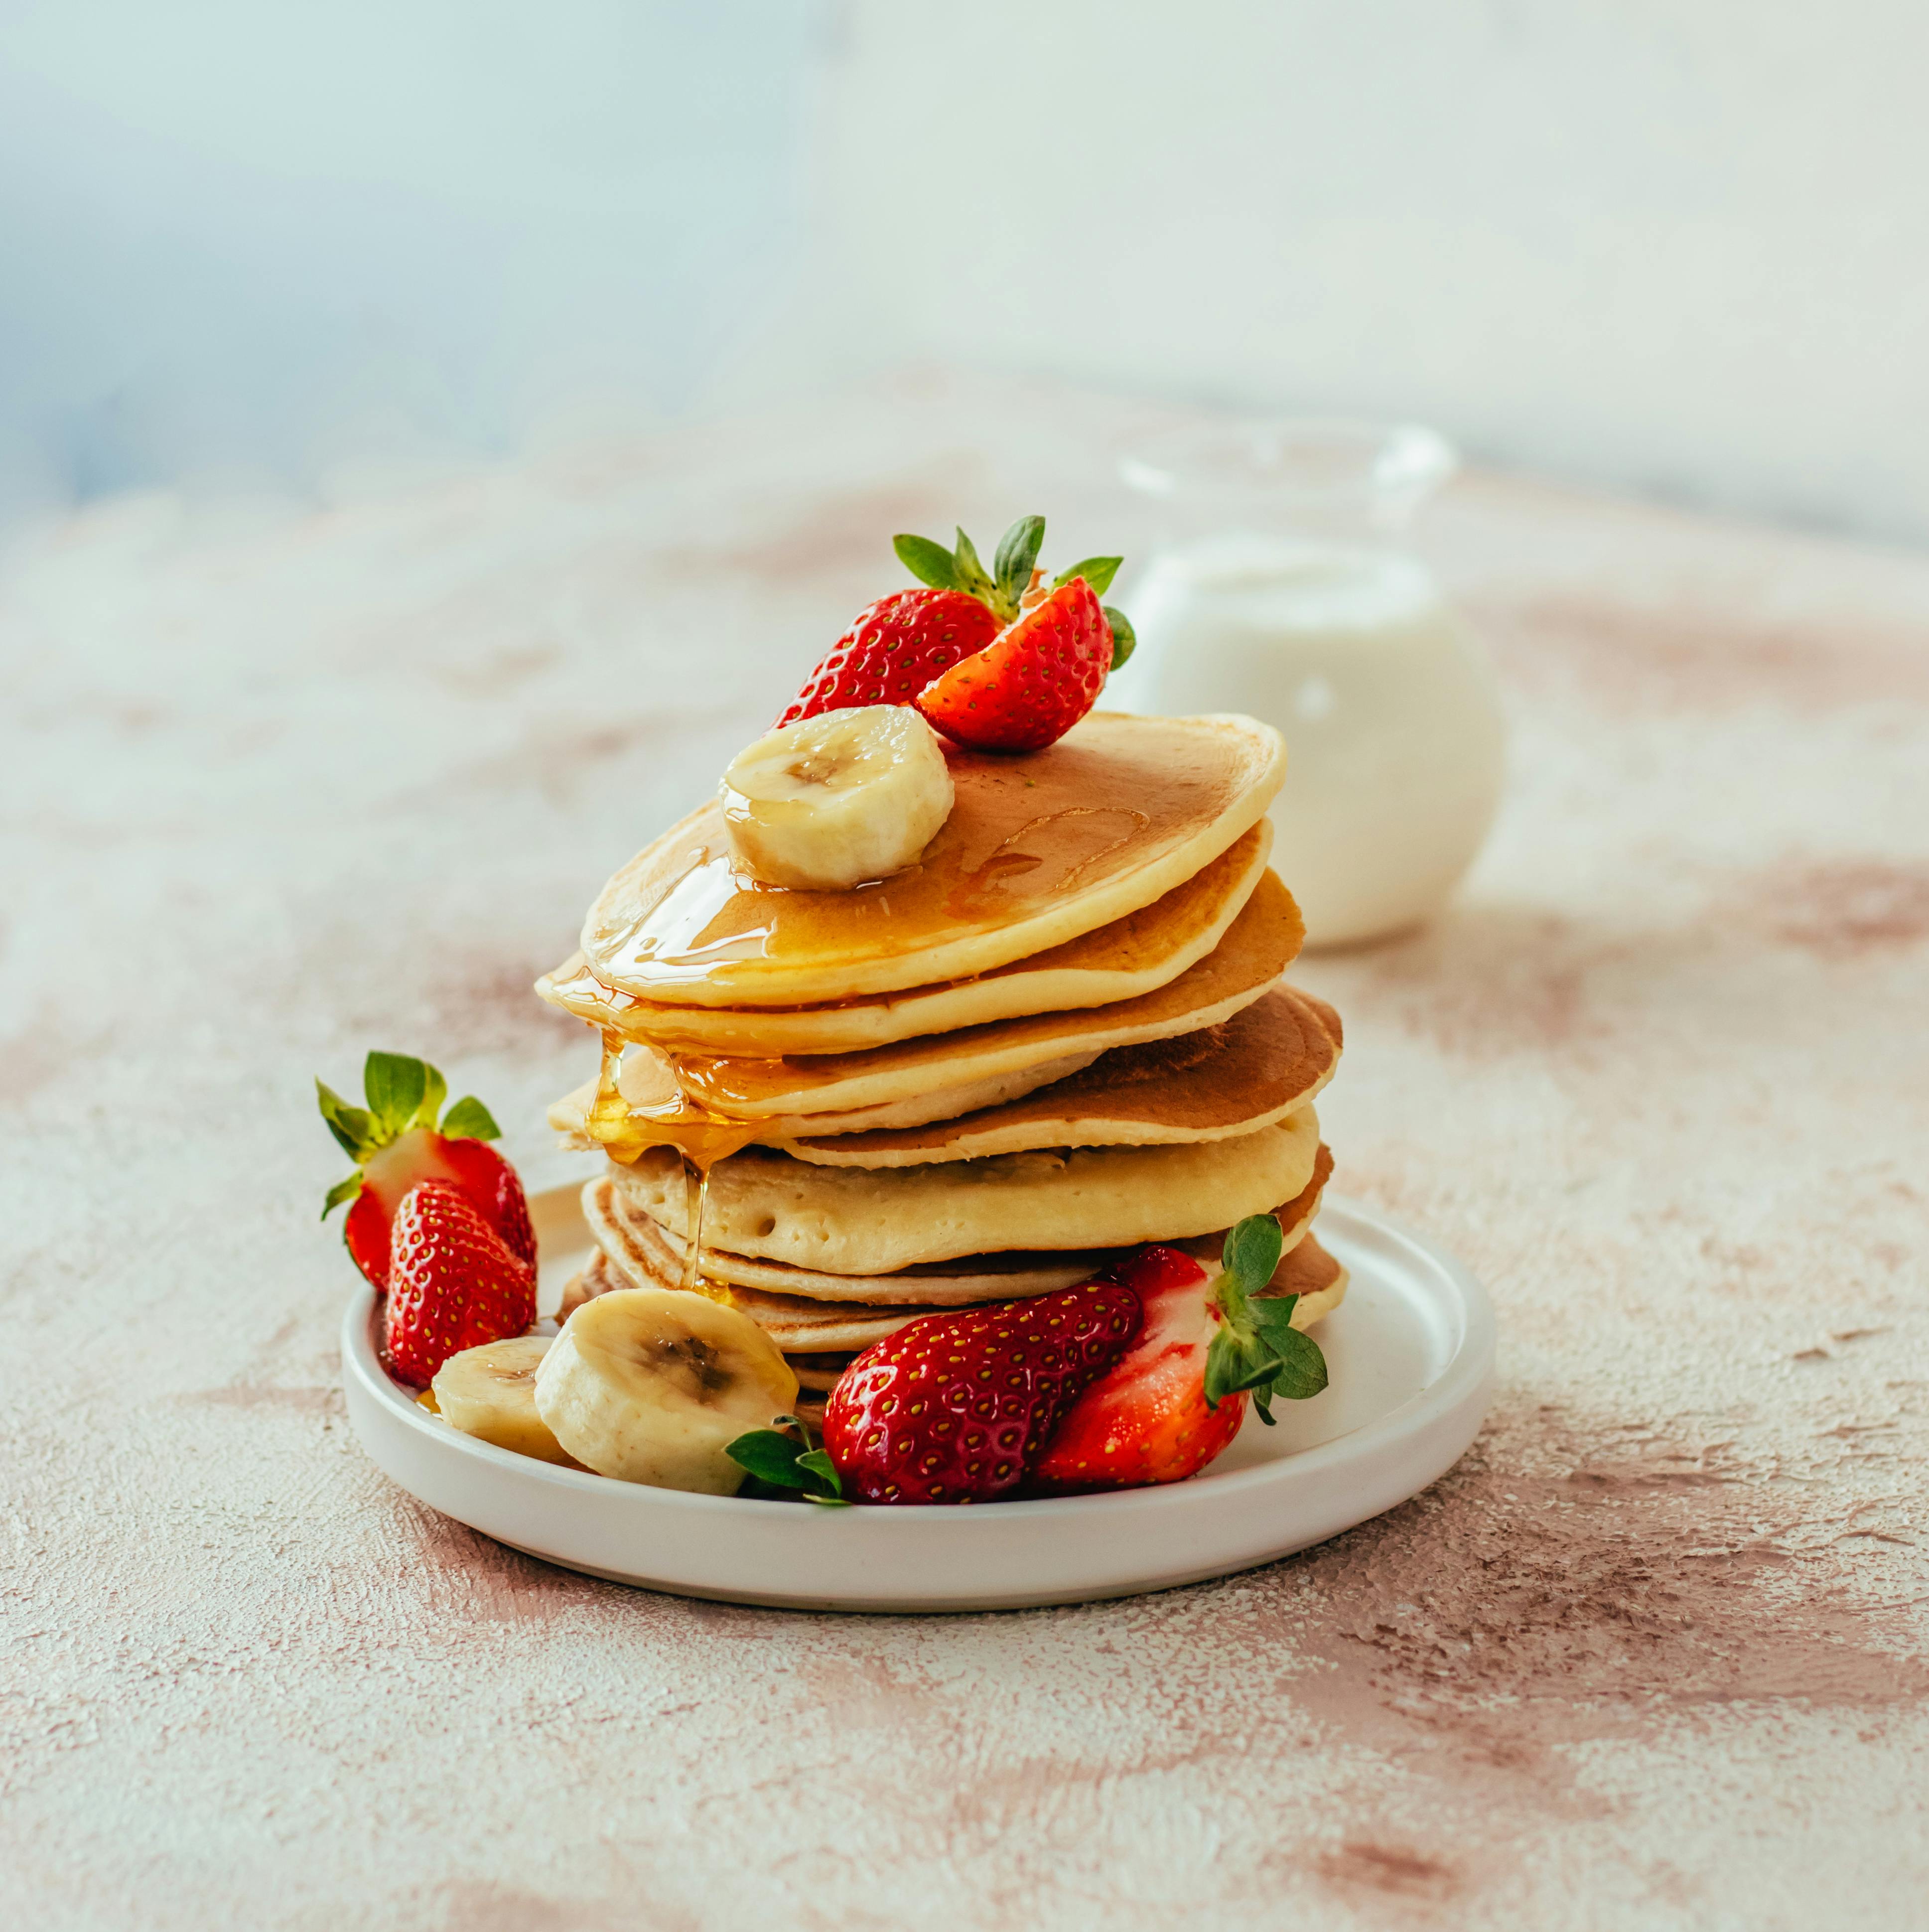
1062, 1035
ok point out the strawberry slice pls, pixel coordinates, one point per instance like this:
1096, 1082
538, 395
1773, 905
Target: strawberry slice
1033, 683
453, 1284
895, 647
904, 647
1146, 1419
954, 1407
397, 1141
1175, 1400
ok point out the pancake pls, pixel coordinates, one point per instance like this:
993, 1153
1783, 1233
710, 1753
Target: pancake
1137, 954
817, 1328
625, 1230
806, 1327
854, 1220
1037, 851
1229, 1079
644, 1246
1252, 956
819, 1373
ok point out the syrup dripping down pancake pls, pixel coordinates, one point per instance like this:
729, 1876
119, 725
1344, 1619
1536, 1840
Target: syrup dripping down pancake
1137, 954
944, 1075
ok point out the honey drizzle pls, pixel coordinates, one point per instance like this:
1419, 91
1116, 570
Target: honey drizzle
700, 1137
696, 1199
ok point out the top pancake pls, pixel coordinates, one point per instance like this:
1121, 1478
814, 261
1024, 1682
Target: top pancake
1137, 954
1038, 849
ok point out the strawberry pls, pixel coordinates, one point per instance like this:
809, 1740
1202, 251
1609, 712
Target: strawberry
396, 1142
453, 1283
895, 647
953, 1408
1030, 686
1169, 1405
904, 646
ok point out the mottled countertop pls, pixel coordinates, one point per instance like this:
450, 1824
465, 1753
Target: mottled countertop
278, 788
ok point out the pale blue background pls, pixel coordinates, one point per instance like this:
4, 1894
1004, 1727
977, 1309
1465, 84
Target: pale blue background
1681, 250
238, 240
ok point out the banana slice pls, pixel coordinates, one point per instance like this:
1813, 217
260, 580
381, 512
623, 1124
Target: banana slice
490, 1393
835, 800
649, 1385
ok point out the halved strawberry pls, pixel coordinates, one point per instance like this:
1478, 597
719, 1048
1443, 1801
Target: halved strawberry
453, 1284
396, 1141
895, 647
1033, 683
903, 646
1176, 1398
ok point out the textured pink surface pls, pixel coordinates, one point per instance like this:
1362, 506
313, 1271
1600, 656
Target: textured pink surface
1651, 1656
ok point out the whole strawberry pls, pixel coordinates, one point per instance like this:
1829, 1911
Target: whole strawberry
1175, 1399
397, 1140
453, 1284
1029, 661
897, 646
955, 1407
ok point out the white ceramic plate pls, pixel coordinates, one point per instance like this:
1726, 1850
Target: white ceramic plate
1411, 1352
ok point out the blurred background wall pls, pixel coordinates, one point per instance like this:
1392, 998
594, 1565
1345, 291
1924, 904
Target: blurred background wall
1680, 249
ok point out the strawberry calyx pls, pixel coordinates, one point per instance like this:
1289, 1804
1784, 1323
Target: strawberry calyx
398, 1140
403, 1093
1256, 1346
1004, 589
788, 1460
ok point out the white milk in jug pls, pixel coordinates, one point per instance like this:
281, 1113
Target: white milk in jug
1387, 704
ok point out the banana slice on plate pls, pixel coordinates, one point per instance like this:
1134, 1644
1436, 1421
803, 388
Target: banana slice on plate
490, 1393
837, 799
651, 1385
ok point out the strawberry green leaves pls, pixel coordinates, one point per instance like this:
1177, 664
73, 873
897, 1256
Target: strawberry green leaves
343, 1190
402, 1093
400, 1090
1005, 584
352, 1127
780, 1459
468, 1120
1017, 557
1256, 1347
1098, 571
930, 562
972, 575
1302, 1369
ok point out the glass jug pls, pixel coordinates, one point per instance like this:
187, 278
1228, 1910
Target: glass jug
1281, 588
